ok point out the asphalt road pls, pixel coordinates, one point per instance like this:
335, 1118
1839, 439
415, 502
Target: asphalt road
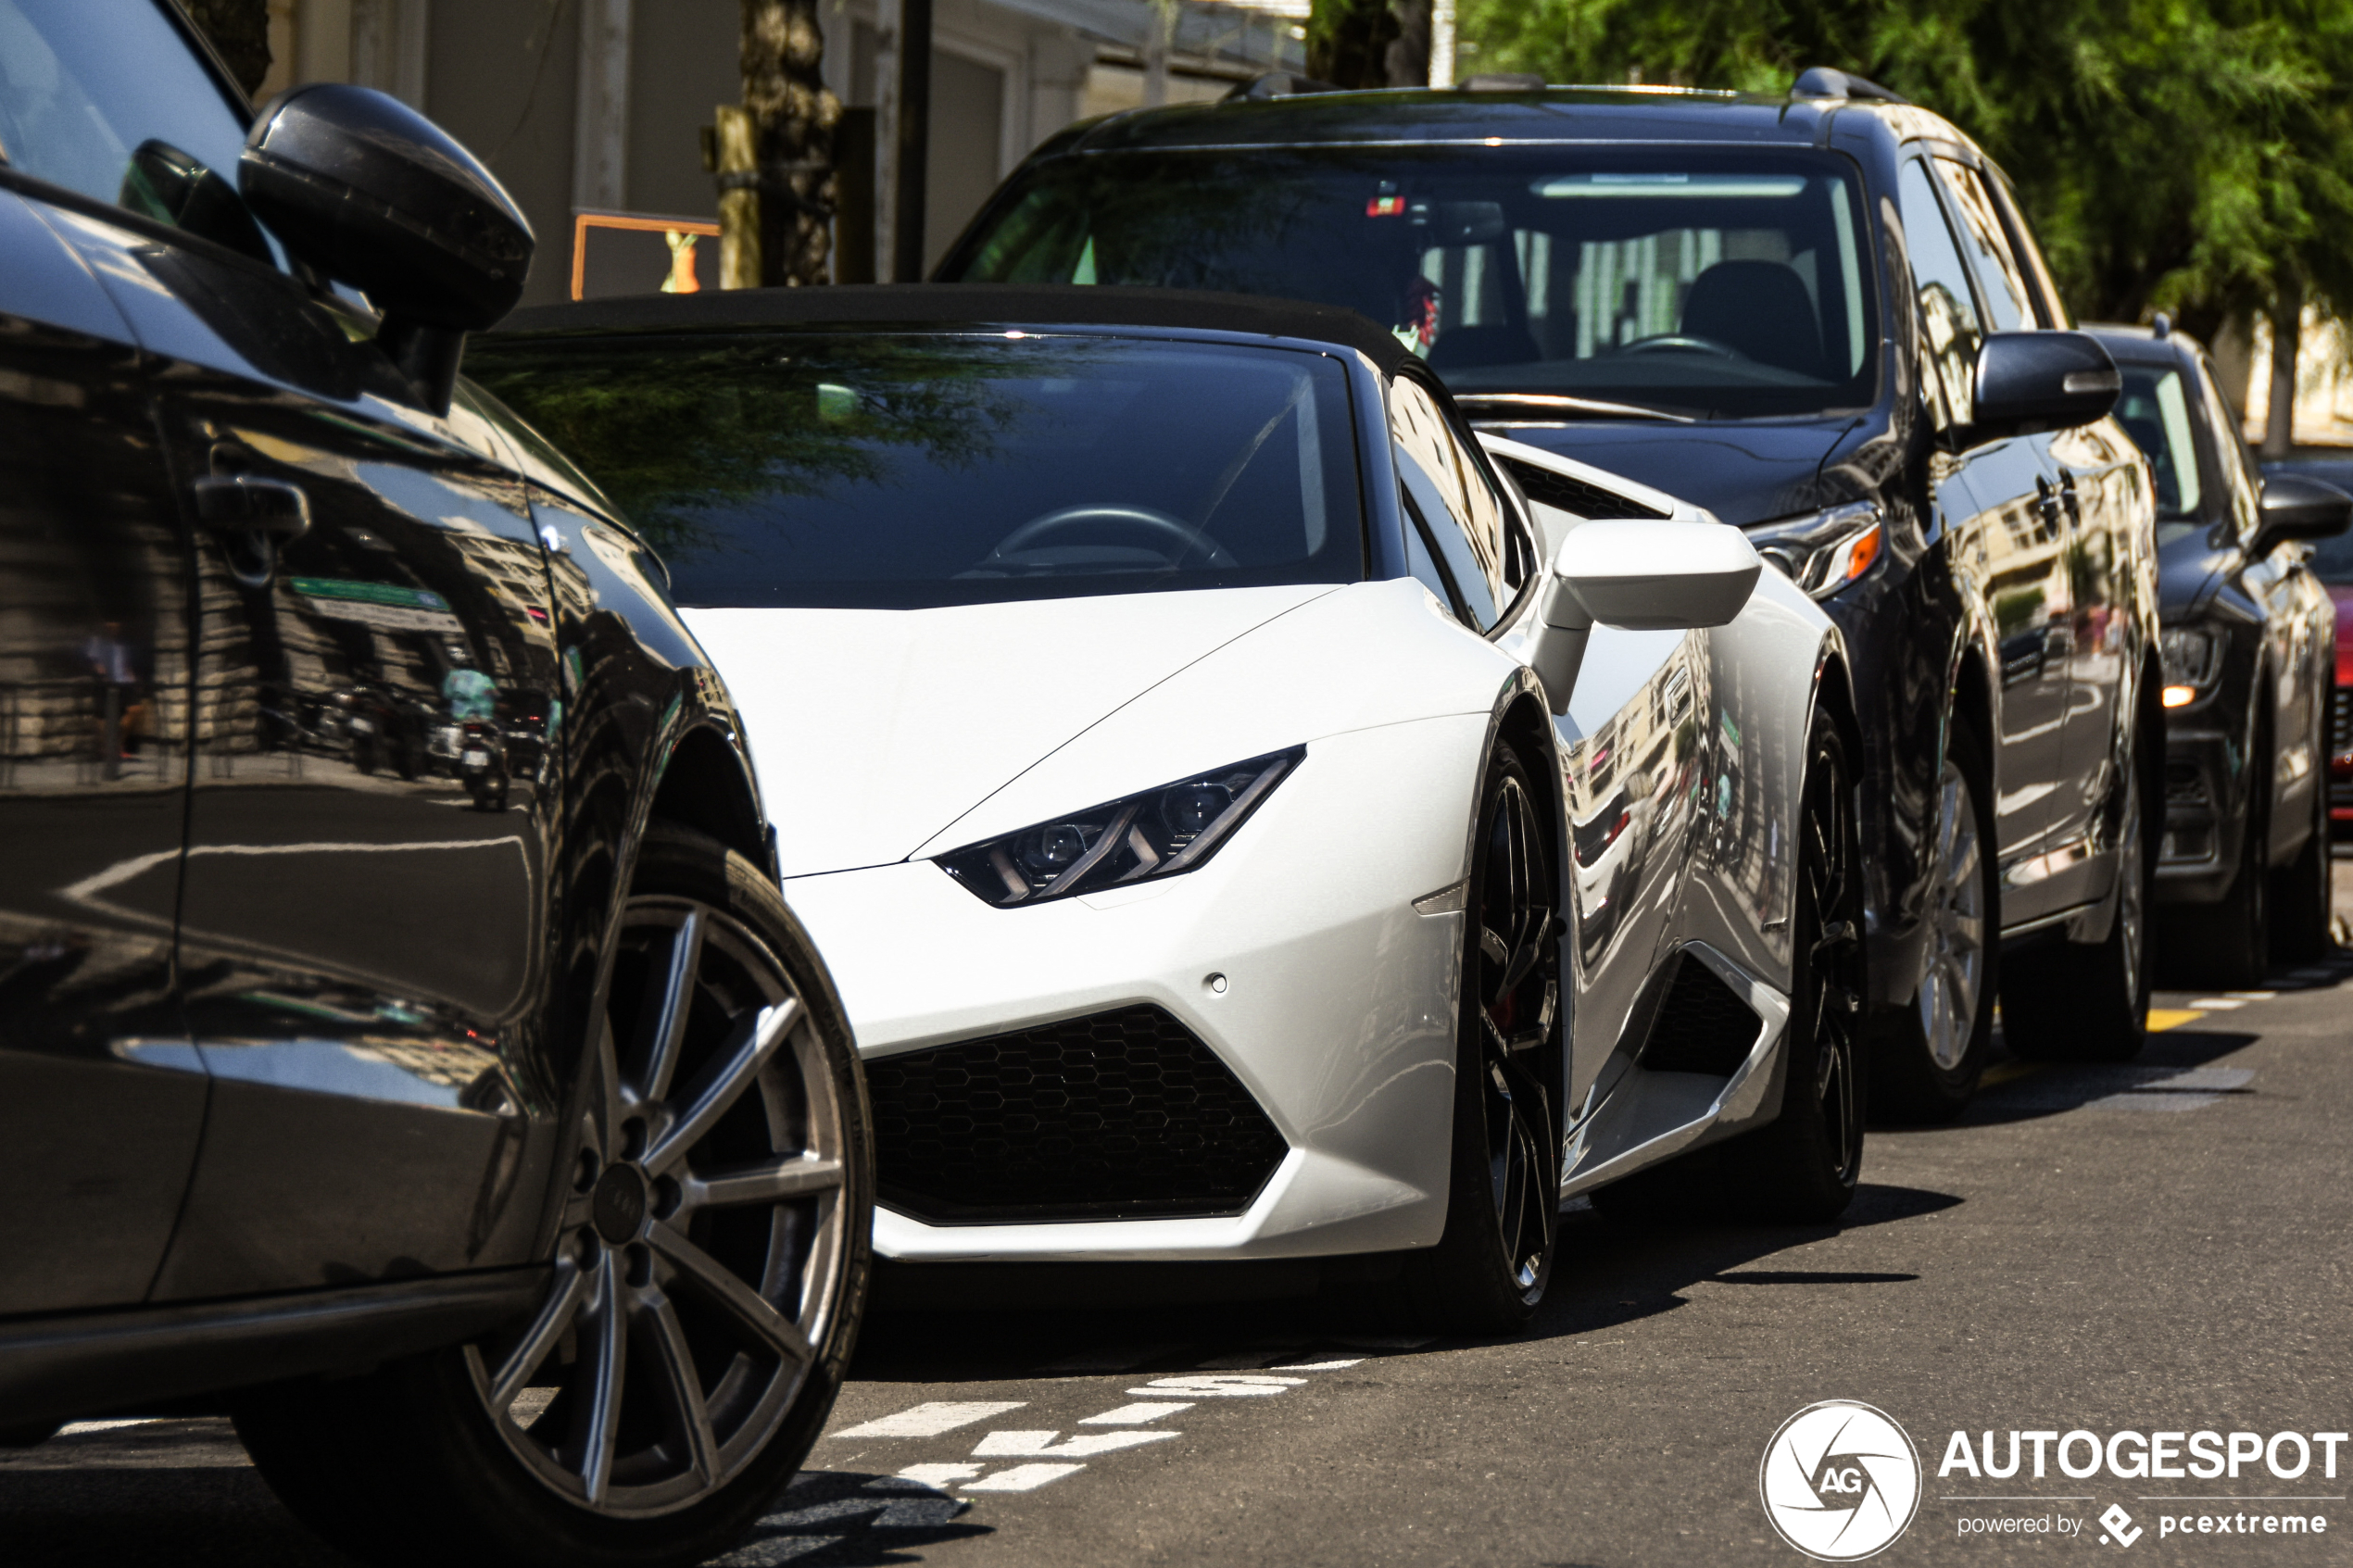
2158, 1247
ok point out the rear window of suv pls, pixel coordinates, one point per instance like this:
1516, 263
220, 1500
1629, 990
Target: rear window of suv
1695, 281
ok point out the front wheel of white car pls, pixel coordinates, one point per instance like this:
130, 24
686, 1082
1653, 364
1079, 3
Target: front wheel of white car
1488, 1272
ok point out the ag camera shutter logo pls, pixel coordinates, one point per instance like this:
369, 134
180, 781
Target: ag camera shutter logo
1840, 1481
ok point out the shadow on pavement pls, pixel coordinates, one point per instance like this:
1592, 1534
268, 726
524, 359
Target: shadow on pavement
167, 1492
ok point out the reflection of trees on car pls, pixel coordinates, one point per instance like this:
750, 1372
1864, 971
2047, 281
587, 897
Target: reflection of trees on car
705, 427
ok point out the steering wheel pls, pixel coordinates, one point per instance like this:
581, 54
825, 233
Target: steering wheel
1680, 343
1146, 519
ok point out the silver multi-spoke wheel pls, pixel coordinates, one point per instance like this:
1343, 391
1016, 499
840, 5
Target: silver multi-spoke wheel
704, 1236
1952, 985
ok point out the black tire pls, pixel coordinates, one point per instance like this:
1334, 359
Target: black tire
2301, 894
409, 1464
2227, 944
1801, 1168
2089, 1001
1488, 1270
1927, 1056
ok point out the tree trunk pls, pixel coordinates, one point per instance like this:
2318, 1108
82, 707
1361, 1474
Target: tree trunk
792, 132
1407, 57
240, 30
1348, 42
2287, 341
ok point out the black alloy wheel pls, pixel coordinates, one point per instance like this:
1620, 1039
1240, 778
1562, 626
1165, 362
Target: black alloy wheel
1490, 1269
705, 1286
1802, 1167
1929, 1056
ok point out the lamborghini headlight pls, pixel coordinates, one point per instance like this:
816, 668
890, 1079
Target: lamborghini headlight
1163, 831
1825, 551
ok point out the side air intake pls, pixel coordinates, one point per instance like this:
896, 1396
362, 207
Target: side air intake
1702, 1025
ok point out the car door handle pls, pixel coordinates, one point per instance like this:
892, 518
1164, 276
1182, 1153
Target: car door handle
243, 504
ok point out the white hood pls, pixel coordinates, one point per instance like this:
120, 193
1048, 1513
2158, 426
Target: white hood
874, 729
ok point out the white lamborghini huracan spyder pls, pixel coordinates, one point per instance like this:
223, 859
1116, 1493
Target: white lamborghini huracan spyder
1243, 821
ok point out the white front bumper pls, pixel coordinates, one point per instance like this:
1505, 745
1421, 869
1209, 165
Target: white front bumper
1338, 1012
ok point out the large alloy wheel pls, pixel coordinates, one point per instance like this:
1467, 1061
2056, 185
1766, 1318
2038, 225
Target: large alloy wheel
704, 1291
2089, 1001
1803, 1166
704, 1241
1490, 1269
1927, 1065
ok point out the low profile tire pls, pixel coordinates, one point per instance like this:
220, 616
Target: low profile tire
1801, 1168
2227, 944
2301, 894
2089, 1001
1488, 1270
706, 1282
1930, 1056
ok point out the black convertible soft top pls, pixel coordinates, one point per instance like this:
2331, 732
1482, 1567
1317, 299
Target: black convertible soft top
993, 304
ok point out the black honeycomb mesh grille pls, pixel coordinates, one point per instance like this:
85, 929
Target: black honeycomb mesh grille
1702, 1025
1547, 488
1122, 1114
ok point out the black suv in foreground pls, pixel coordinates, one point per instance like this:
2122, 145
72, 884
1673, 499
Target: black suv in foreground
404, 1046
1820, 317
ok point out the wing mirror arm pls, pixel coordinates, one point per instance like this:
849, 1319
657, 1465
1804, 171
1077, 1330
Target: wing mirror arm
1563, 628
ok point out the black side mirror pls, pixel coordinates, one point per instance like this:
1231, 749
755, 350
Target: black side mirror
2297, 506
2028, 382
370, 191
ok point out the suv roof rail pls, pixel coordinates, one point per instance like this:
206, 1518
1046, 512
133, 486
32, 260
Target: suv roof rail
1821, 81
1279, 84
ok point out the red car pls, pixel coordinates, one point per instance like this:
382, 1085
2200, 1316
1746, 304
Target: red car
2333, 563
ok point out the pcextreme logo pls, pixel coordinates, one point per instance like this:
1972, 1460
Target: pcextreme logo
1840, 1481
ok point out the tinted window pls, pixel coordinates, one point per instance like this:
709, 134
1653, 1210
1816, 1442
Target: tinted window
906, 470
1999, 283
1948, 315
1449, 492
106, 97
1716, 282
2155, 411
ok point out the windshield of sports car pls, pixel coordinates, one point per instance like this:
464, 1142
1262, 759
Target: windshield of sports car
907, 471
2155, 411
1694, 282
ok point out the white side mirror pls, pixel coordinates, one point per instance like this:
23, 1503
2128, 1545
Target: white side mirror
1641, 577
1652, 576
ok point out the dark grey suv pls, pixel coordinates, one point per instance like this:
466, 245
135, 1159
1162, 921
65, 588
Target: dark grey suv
404, 1046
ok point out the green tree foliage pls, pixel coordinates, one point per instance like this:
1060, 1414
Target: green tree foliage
2190, 155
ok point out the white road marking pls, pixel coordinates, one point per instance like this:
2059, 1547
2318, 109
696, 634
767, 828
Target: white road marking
1219, 1384
1085, 1445
1320, 1366
75, 1429
932, 1419
932, 1476
1023, 1477
1133, 1415
2222, 1003
2252, 996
